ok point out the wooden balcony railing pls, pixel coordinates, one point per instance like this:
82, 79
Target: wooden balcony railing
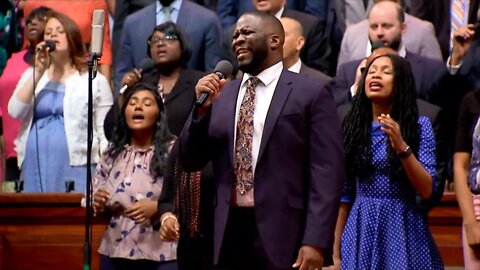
46, 231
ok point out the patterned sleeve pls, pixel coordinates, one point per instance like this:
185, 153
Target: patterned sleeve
474, 169
426, 152
102, 172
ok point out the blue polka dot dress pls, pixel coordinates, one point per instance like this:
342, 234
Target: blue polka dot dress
384, 229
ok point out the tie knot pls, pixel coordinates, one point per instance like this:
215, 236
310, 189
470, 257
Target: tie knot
167, 10
253, 82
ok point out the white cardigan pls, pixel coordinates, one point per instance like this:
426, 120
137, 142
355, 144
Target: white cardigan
75, 106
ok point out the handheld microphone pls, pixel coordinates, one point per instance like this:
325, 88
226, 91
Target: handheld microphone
96, 44
144, 66
50, 44
223, 69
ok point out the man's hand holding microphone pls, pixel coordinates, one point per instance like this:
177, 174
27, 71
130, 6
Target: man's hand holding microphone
210, 86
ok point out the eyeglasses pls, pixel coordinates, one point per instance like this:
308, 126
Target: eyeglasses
167, 39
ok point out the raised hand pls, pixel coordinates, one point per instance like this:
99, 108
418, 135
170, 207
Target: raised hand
462, 39
131, 77
392, 129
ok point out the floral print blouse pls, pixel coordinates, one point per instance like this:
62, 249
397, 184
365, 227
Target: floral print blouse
128, 179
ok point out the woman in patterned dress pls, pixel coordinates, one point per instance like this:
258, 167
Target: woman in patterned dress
390, 157
129, 181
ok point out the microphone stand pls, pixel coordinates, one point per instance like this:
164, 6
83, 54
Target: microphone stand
87, 246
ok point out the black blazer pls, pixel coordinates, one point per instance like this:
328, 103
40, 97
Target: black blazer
180, 100
316, 51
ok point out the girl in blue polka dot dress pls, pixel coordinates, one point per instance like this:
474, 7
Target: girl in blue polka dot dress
390, 157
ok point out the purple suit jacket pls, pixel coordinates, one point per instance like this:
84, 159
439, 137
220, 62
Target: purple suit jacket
299, 172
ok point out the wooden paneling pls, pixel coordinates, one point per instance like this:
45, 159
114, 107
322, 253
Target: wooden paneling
445, 222
45, 231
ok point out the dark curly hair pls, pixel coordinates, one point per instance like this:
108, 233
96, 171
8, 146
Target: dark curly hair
161, 137
170, 28
357, 124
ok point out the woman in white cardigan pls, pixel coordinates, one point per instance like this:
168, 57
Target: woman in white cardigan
52, 143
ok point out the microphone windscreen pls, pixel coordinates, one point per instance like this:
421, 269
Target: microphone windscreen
377, 44
223, 69
146, 65
51, 45
96, 43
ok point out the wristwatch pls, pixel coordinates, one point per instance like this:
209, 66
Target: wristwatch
405, 153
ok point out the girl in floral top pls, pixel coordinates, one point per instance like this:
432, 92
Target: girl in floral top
128, 183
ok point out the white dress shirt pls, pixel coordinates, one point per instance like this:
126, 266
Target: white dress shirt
160, 16
263, 96
296, 67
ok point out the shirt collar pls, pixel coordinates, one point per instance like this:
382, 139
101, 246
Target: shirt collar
296, 67
175, 5
268, 75
279, 13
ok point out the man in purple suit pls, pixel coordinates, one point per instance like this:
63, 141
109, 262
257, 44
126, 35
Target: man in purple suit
275, 143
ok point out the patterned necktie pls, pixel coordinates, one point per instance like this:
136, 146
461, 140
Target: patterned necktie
167, 11
457, 16
243, 145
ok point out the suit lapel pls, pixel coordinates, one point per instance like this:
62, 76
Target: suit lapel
283, 89
139, 38
230, 104
151, 20
184, 14
180, 86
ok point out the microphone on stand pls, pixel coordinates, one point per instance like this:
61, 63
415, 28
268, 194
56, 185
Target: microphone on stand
223, 69
96, 47
96, 44
145, 65
50, 44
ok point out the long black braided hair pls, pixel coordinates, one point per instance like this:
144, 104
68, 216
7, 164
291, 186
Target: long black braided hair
161, 137
358, 122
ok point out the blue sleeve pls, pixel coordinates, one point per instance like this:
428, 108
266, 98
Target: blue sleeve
427, 150
348, 192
